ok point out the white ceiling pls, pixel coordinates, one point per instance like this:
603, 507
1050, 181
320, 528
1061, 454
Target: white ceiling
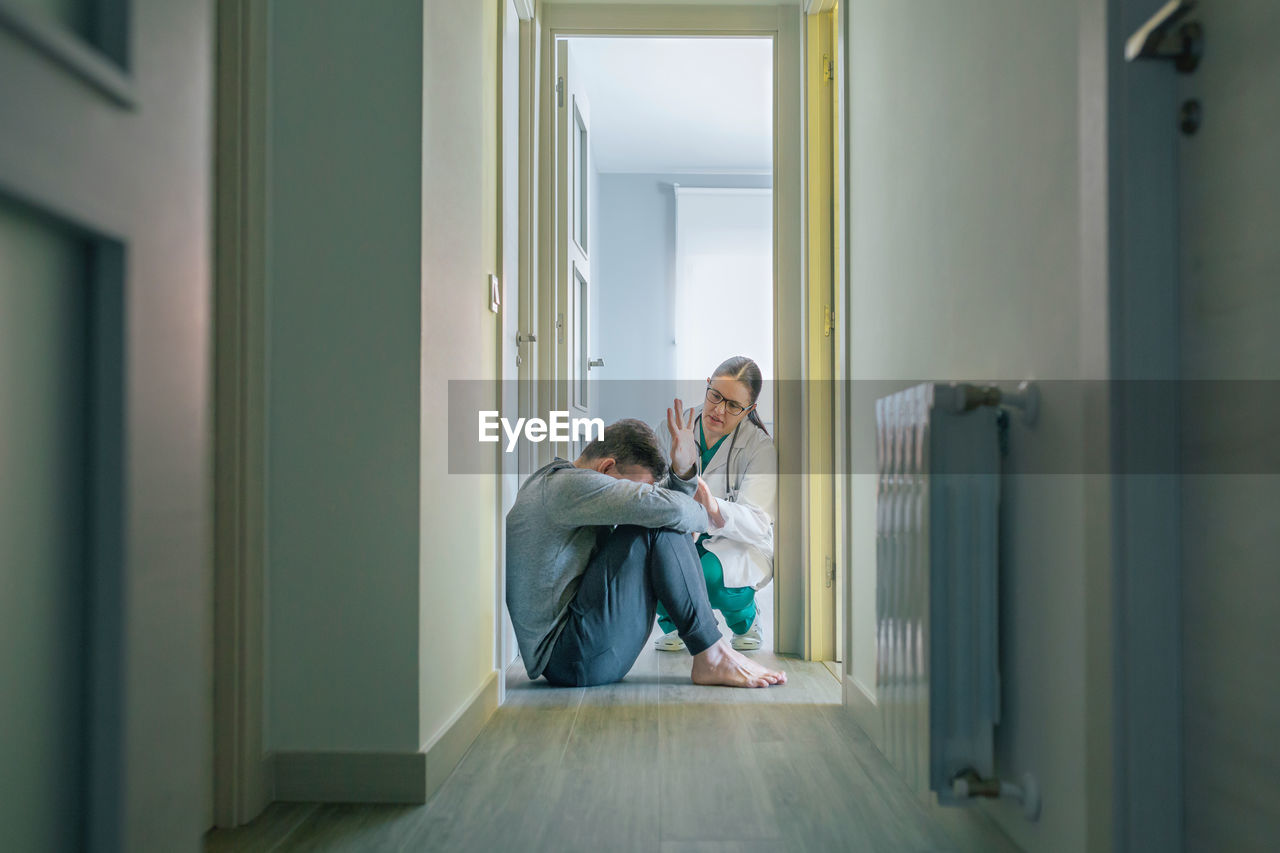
678, 104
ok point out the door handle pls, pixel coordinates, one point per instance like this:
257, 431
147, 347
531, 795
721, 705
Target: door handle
595, 362
1157, 39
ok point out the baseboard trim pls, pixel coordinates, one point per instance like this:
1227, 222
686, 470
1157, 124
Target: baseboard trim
385, 777
446, 748
866, 713
350, 777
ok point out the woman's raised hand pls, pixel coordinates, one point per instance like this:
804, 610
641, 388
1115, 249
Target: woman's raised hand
684, 447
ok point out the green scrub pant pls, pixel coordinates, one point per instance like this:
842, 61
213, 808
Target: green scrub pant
738, 604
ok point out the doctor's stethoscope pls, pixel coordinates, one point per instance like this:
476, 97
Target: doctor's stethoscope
730, 488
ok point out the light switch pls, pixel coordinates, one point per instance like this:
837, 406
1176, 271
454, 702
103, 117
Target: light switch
495, 295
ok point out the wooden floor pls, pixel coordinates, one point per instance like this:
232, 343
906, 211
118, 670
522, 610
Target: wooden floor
653, 763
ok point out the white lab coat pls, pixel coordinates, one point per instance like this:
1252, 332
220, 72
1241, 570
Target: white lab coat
749, 503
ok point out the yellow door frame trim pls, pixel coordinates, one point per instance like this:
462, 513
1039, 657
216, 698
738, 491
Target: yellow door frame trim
821, 642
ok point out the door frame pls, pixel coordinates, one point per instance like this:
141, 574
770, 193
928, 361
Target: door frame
783, 25
573, 311
1129, 228
516, 359
242, 771
823, 610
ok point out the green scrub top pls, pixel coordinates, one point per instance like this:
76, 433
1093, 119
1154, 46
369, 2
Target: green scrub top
707, 453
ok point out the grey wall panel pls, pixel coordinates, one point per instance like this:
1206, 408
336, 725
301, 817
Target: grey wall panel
1230, 267
344, 281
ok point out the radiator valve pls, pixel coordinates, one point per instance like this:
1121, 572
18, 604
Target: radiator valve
1025, 400
968, 784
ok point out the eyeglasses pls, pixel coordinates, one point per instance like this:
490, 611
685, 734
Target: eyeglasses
733, 407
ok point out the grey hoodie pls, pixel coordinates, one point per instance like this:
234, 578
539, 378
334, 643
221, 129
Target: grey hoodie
552, 529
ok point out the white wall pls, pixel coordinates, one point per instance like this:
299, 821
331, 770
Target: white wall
459, 341
383, 231
634, 268
724, 280
963, 234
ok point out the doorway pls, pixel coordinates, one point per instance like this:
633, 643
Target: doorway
611, 343
672, 221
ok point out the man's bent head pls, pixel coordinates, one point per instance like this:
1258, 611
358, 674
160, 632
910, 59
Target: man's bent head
628, 451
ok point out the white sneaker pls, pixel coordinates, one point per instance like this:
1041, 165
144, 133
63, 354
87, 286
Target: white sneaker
750, 639
669, 642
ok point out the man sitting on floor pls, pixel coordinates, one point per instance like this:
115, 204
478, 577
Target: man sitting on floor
593, 546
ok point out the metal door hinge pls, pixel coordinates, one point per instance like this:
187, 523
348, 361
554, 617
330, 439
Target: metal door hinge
828, 69
560, 91
560, 328
831, 572
828, 321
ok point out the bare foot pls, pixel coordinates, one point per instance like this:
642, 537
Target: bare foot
722, 666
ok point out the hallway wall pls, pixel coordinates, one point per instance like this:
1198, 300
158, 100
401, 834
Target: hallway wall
383, 231
344, 254
460, 185
964, 237
1230, 264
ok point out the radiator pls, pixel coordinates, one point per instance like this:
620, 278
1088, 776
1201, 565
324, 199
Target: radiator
937, 509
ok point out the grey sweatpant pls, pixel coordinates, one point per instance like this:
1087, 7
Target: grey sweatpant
612, 615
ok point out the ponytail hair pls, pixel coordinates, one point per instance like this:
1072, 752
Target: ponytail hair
744, 370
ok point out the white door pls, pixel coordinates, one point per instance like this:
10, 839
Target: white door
574, 357
1229, 278
105, 687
